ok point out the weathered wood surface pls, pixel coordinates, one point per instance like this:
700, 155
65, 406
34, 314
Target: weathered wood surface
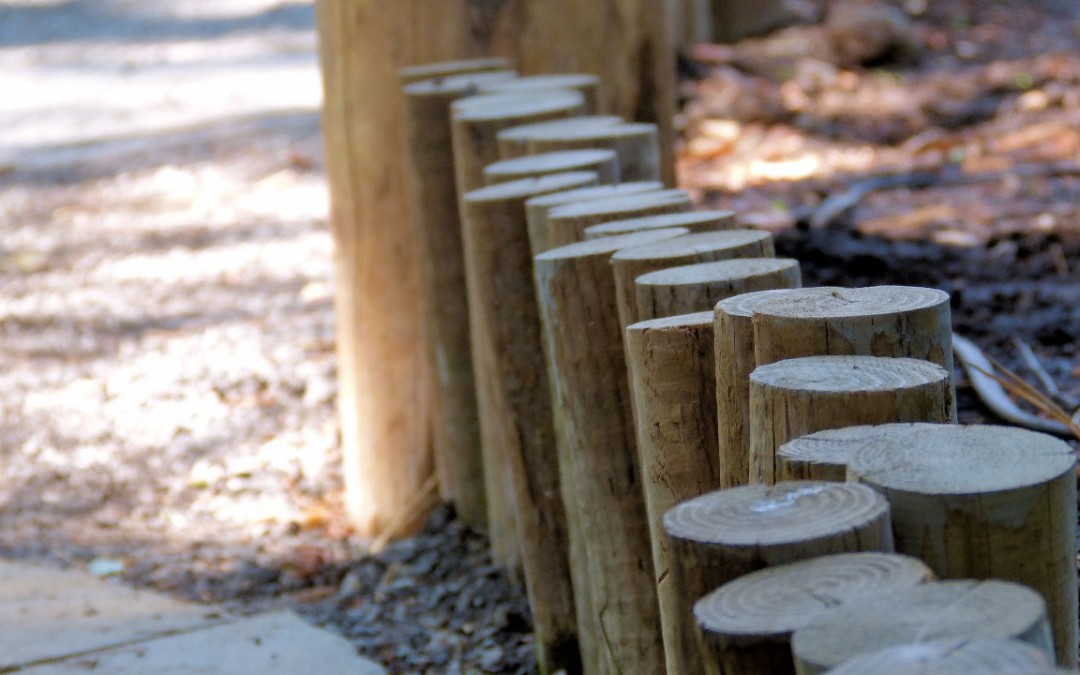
824, 455
538, 208
695, 221
442, 69
566, 223
637, 145
955, 656
604, 162
588, 85
514, 142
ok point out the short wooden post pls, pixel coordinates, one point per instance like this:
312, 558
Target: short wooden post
442, 69
567, 223
603, 162
637, 145
538, 208
955, 656
476, 120
631, 263
981, 502
695, 221
698, 287
967, 608
824, 455
795, 397
514, 142
720, 536
528, 522
455, 429
745, 626
587, 84
597, 452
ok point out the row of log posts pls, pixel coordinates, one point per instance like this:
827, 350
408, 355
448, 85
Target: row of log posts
538, 208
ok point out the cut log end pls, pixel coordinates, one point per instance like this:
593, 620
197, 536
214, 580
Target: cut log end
603, 162
695, 221
958, 656
444, 69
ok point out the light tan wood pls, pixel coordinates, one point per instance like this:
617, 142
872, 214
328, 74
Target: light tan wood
824, 455
476, 120
795, 397
444, 308
521, 466
597, 452
698, 287
637, 145
734, 330
537, 208
588, 85
695, 221
948, 609
745, 626
566, 223
442, 69
670, 363
603, 162
718, 537
514, 142
984, 501
903, 321
957, 656
631, 263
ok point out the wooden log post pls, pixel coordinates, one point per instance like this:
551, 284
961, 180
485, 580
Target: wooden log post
444, 308
514, 142
631, 263
948, 609
955, 656
637, 145
698, 287
746, 625
443, 69
588, 85
567, 223
538, 208
670, 364
794, 397
603, 162
521, 466
476, 120
695, 221
597, 454
718, 537
984, 501
824, 455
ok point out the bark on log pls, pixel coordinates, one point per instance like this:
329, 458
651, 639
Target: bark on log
672, 382
445, 313
441, 69
537, 208
514, 142
795, 397
696, 288
603, 162
956, 656
720, 536
749, 622
637, 145
597, 453
983, 501
519, 436
566, 223
588, 85
948, 609
695, 221
631, 263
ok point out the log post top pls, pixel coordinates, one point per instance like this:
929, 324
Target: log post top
700, 242
717, 271
939, 459
547, 162
494, 107
426, 71
831, 446
527, 187
828, 302
523, 132
838, 374
580, 132
547, 82
598, 192
745, 304
762, 516
627, 203
956, 656
780, 600
607, 245
720, 220
678, 321
457, 85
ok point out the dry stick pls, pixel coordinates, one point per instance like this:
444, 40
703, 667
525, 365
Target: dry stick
751, 619
456, 433
441, 69
981, 502
637, 145
588, 85
957, 656
720, 536
823, 455
670, 363
695, 221
966, 608
514, 142
519, 436
566, 223
691, 288
630, 264
603, 162
794, 397
538, 208
597, 455
476, 120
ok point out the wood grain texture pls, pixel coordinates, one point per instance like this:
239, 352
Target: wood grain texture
566, 223
637, 145
956, 656
538, 208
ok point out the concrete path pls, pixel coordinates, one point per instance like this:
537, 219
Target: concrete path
65, 621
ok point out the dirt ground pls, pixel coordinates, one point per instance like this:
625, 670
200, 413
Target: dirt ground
166, 333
